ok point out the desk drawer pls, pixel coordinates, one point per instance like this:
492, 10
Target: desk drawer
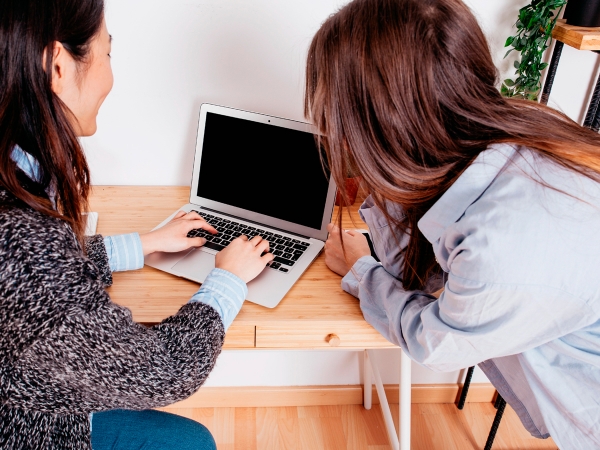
240, 336
317, 336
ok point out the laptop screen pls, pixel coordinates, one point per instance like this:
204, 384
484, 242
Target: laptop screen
263, 168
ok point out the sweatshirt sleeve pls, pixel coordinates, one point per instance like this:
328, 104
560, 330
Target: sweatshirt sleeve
472, 320
91, 355
95, 250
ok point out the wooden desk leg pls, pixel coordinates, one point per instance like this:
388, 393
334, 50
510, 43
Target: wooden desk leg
405, 400
558, 46
368, 384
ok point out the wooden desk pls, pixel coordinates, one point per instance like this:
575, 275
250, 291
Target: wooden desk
315, 310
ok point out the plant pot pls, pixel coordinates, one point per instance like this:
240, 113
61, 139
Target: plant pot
352, 185
583, 13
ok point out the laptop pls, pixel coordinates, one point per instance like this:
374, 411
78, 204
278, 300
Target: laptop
256, 175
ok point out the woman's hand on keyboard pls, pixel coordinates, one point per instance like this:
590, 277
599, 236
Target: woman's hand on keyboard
173, 236
243, 257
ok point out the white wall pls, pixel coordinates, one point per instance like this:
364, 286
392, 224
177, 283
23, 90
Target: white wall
171, 56
331, 367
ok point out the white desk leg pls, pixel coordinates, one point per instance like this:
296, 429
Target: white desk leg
368, 385
385, 406
405, 401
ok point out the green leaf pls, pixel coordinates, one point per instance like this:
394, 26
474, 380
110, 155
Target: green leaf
506, 92
534, 30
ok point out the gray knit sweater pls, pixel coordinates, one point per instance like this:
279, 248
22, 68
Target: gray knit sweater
66, 350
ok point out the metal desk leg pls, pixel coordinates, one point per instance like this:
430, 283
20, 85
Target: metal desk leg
403, 442
405, 401
385, 406
368, 385
558, 46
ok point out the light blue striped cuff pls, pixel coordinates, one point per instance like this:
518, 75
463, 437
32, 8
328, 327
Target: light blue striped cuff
351, 281
225, 292
124, 252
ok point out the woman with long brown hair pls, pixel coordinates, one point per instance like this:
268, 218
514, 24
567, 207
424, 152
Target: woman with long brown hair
76, 371
497, 200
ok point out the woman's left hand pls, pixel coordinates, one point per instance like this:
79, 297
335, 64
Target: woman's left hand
355, 244
173, 236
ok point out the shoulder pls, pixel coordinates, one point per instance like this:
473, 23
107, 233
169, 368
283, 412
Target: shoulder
536, 224
23, 227
38, 251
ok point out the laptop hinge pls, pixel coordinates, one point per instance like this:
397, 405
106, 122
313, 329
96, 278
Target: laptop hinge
256, 223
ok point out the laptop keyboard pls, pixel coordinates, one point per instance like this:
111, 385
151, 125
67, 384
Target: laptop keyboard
286, 250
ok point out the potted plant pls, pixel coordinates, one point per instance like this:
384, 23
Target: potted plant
534, 31
351, 190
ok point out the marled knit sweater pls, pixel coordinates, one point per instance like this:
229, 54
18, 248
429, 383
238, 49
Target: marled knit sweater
66, 350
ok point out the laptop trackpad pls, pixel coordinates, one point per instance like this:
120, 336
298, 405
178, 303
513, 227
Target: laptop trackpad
195, 266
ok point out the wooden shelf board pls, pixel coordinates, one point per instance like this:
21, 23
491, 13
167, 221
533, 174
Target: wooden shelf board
580, 38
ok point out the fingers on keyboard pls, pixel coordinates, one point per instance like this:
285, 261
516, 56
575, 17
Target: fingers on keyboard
286, 250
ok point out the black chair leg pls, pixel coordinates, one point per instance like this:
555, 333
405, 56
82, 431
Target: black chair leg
592, 112
465, 388
498, 400
501, 405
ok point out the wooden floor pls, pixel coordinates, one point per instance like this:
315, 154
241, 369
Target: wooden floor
351, 427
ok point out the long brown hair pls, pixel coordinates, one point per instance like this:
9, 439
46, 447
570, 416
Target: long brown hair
404, 93
31, 115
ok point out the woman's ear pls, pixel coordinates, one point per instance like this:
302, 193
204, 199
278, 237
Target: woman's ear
63, 67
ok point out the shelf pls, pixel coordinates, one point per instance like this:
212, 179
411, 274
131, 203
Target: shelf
581, 38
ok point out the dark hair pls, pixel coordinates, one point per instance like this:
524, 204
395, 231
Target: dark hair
404, 93
31, 115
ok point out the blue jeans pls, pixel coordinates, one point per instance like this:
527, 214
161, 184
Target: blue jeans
148, 430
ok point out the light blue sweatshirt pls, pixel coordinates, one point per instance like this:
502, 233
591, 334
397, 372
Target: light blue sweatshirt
518, 239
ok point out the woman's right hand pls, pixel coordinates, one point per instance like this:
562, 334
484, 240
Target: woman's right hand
243, 257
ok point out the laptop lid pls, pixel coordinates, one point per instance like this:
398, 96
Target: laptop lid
263, 169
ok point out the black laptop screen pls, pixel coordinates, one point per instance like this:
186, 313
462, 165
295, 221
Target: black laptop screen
263, 168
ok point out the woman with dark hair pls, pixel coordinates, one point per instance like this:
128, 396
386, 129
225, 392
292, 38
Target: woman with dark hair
72, 363
497, 200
